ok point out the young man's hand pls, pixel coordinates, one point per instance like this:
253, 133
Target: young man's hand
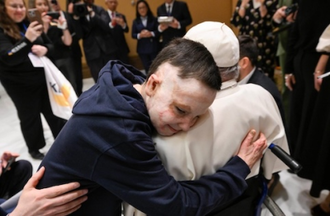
252, 151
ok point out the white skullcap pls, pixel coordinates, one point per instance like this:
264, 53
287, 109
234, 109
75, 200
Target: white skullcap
219, 39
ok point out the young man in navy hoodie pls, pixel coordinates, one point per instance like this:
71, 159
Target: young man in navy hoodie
106, 146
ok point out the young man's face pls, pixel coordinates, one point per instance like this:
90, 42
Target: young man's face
174, 104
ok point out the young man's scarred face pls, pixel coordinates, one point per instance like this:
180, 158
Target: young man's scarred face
174, 104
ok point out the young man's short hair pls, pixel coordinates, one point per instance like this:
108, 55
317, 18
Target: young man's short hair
192, 59
248, 48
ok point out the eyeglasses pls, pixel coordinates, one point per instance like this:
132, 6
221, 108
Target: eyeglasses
16, 6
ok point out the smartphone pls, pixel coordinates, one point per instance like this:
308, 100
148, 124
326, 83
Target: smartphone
34, 15
291, 9
53, 14
9, 163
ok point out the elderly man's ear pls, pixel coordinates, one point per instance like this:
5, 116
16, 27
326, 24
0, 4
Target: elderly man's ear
152, 84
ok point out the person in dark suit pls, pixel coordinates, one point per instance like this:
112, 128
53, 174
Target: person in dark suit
182, 18
60, 33
118, 27
76, 53
98, 43
315, 150
300, 68
144, 29
249, 73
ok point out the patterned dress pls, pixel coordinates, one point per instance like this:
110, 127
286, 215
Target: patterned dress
260, 29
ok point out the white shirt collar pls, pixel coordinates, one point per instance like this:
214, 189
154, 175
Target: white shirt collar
228, 84
246, 79
169, 4
110, 12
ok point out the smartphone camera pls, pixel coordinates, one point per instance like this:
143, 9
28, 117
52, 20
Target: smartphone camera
291, 9
53, 14
80, 9
53, 2
34, 15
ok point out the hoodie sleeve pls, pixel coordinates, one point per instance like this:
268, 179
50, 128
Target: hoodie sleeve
2, 212
144, 183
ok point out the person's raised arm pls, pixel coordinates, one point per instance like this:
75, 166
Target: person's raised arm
58, 200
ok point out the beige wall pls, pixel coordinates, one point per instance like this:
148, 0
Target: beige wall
201, 10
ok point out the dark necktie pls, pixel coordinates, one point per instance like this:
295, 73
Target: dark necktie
113, 19
169, 10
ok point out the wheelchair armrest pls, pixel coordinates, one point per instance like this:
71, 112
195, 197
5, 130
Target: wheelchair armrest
285, 157
11, 203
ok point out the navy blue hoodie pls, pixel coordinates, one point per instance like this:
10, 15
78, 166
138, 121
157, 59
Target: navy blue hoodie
107, 147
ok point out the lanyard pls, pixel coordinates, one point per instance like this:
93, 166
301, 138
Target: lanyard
24, 26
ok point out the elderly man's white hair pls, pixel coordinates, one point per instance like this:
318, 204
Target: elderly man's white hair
221, 42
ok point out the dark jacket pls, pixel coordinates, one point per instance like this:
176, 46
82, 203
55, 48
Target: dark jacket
61, 51
304, 33
107, 147
15, 65
180, 12
119, 37
96, 34
2, 212
146, 45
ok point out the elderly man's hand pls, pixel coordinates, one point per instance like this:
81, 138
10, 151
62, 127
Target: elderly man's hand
252, 151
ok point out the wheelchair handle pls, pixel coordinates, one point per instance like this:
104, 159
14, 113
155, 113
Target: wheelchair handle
285, 157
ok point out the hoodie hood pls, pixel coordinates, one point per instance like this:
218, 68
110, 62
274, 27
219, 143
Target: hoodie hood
114, 95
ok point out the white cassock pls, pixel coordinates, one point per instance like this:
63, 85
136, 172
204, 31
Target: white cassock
218, 134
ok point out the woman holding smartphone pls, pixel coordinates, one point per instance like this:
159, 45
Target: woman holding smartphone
21, 74
58, 31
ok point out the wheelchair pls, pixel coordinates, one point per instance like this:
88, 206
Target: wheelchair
251, 201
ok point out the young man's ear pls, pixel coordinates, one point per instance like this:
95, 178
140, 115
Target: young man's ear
245, 62
152, 84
